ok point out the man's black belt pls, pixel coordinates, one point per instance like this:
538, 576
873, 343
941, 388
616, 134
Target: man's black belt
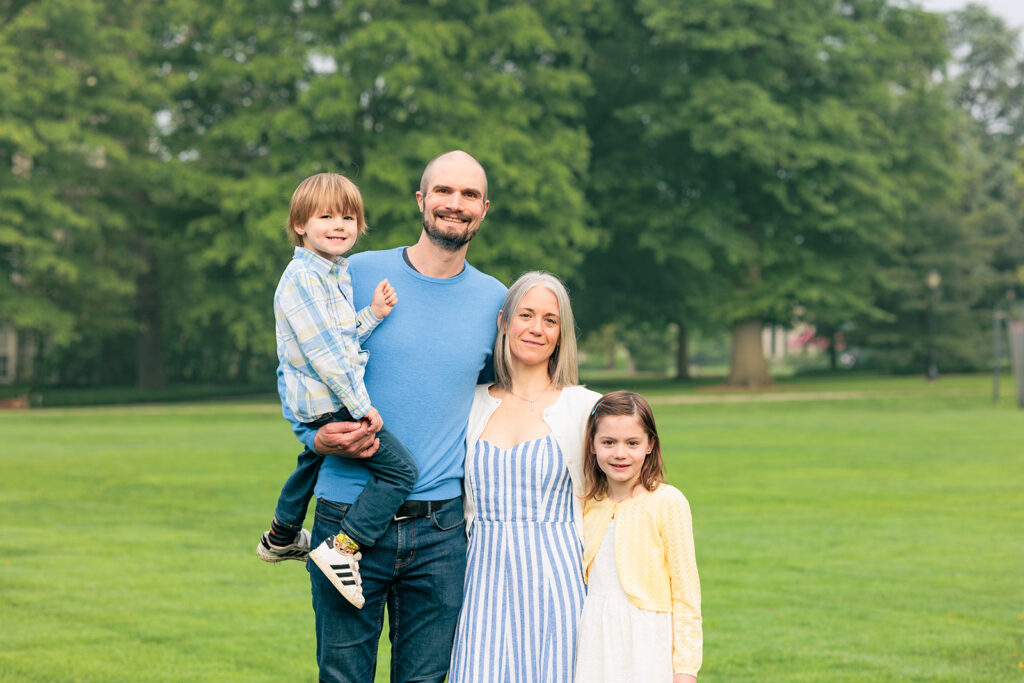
419, 508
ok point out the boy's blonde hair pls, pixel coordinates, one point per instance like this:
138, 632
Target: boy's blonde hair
324, 191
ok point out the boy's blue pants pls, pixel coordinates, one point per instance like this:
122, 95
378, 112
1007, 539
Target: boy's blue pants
393, 474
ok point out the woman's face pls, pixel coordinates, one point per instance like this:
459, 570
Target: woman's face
534, 327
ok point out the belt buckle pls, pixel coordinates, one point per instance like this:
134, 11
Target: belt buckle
399, 517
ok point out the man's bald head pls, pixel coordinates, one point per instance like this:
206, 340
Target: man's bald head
456, 155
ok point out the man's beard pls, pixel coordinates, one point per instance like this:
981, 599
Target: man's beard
448, 241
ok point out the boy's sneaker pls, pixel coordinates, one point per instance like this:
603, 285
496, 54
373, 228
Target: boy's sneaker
342, 569
298, 549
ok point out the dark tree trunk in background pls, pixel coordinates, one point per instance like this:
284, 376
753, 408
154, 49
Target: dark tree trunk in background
150, 350
747, 367
683, 354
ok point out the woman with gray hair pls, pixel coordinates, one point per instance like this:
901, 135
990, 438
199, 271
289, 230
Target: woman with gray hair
523, 496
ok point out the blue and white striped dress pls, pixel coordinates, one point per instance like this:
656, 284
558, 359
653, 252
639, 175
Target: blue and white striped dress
524, 581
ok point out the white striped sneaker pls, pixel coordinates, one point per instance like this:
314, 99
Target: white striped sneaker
342, 569
298, 549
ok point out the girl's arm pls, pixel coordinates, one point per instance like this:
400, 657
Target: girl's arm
687, 633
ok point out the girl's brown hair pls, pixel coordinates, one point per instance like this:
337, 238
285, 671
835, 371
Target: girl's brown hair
621, 403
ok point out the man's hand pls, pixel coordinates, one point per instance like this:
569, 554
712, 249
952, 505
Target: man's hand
384, 299
376, 422
347, 439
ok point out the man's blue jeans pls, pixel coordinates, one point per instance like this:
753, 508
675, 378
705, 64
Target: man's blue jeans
417, 569
393, 473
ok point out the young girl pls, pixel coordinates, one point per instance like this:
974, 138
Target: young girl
641, 617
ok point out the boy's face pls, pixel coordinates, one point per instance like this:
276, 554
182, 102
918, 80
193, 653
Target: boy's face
329, 233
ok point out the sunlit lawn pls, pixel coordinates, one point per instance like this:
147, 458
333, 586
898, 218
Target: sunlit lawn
871, 539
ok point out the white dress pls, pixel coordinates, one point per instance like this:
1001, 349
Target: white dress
617, 640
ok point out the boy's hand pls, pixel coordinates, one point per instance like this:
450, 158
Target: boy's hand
384, 299
375, 420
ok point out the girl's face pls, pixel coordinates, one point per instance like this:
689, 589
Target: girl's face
620, 445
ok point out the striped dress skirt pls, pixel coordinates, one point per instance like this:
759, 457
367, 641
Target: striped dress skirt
524, 582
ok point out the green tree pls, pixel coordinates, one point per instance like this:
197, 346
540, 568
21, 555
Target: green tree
974, 236
75, 164
653, 267
267, 94
988, 84
781, 120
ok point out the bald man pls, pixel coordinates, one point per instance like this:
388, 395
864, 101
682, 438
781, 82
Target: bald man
426, 358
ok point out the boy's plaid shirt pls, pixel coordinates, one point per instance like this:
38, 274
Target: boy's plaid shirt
318, 337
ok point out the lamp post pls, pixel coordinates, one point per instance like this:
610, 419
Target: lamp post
932, 280
997, 329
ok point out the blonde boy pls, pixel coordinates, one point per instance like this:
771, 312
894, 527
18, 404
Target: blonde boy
319, 334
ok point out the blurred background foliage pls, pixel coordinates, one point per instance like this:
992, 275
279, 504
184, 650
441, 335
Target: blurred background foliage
697, 170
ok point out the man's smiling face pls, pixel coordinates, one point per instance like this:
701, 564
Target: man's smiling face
454, 203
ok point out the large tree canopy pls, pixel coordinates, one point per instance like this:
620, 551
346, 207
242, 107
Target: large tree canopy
372, 90
76, 167
711, 164
790, 170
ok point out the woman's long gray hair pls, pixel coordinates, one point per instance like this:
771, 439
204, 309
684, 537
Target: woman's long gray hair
562, 366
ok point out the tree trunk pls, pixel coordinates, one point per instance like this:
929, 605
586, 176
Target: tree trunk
682, 355
833, 353
150, 349
747, 366
244, 361
612, 345
28, 347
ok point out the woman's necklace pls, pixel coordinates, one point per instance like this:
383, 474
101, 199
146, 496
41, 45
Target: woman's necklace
533, 401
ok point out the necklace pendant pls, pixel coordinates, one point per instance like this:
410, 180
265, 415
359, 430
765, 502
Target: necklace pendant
533, 401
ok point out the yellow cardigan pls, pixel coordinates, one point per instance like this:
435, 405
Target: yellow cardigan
656, 562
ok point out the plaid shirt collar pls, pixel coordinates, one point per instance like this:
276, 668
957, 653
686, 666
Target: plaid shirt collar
322, 265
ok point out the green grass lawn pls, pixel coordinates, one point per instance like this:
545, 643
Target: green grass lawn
879, 538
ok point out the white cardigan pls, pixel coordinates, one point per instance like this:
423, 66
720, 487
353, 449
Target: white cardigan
567, 417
